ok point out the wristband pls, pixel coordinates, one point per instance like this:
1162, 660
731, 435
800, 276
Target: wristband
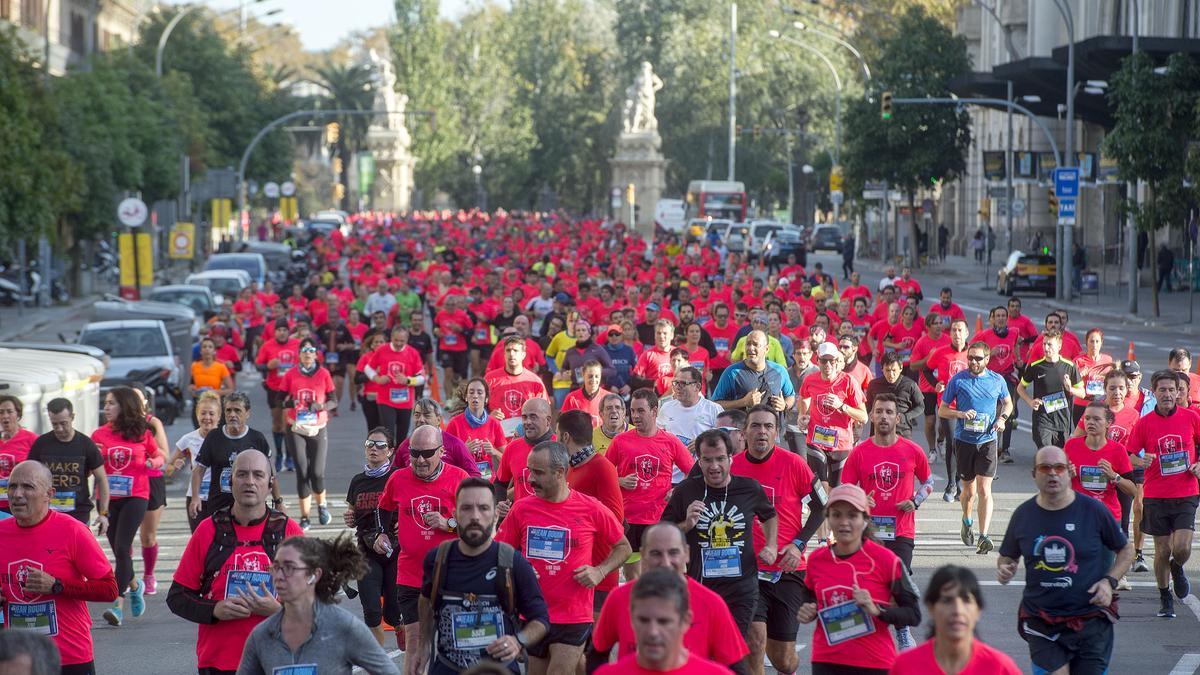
1111, 582
800, 544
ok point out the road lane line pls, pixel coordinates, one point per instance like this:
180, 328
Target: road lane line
1188, 663
1193, 604
393, 655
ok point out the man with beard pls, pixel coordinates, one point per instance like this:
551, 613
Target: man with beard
499, 578
1003, 338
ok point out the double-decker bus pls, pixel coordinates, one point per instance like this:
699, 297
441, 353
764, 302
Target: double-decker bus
723, 199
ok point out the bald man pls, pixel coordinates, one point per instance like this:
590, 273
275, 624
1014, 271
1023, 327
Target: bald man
51, 567
513, 469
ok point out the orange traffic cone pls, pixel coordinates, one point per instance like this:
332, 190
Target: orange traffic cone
1130, 355
435, 388
978, 324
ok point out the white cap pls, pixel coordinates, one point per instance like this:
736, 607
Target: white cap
828, 350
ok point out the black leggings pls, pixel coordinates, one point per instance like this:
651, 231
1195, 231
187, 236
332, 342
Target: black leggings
1126, 502
124, 518
308, 452
379, 582
949, 453
370, 411
396, 419
88, 668
1011, 422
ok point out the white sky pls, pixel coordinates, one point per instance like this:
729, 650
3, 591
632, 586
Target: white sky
321, 23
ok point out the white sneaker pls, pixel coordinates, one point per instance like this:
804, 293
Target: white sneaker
1123, 584
904, 638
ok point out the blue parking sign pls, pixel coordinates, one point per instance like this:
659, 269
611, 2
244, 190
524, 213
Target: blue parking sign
1066, 182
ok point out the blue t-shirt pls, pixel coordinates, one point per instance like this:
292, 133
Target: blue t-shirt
738, 380
1063, 552
981, 393
623, 360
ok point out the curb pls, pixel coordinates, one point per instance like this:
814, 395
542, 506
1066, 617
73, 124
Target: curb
1124, 317
39, 318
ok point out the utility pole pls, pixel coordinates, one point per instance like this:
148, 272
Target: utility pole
732, 91
1009, 167
1133, 192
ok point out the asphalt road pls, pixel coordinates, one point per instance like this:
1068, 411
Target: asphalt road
160, 643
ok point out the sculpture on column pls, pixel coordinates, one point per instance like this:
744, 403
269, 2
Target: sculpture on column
639, 102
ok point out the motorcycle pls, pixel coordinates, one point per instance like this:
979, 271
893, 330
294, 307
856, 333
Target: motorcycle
167, 399
10, 287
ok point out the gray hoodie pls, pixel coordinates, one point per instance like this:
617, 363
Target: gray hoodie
339, 642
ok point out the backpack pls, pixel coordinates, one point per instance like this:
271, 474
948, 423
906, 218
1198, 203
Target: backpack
225, 542
505, 590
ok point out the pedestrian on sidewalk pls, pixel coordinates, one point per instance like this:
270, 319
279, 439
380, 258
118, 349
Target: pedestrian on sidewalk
847, 256
943, 235
977, 246
1166, 264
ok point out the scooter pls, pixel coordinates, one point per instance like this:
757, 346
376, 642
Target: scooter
168, 399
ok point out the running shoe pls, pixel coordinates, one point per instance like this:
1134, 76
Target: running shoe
1006, 457
137, 601
965, 533
1139, 564
151, 584
323, 515
1179, 580
948, 494
958, 494
305, 524
1123, 584
904, 638
1166, 610
985, 545
114, 617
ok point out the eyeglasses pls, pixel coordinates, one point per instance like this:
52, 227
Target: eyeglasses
308, 350
846, 346
378, 445
287, 569
976, 358
1047, 469
682, 383
423, 454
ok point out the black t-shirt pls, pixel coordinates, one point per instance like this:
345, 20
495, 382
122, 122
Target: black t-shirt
363, 497
477, 575
217, 453
1062, 551
342, 337
422, 342
722, 545
70, 464
1047, 383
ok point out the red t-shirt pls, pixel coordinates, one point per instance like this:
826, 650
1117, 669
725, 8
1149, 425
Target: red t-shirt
508, 393
907, 287
828, 427
947, 314
694, 666
921, 351
1026, 333
723, 341
514, 467
1070, 348
598, 479
411, 497
1092, 371
288, 354
125, 462
219, 644
1126, 417
399, 366
63, 548
452, 327
12, 452
576, 400
651, 458
985, 660
653, 364
534, 356
1089, 479
833, 580
947, 363
1170, 444
887, 473
306, 390
490, 430
877, 334
557, 539
788, 481
1003, 359
249, 311
905, 337
712, 635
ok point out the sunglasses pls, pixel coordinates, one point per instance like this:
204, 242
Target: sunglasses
308, 350
378, 445
976, 358
423, 454
1047, 469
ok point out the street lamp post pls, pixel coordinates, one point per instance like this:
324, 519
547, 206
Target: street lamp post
175, 20
1066, 231
862, 62
1133, 191
732, 171
479, 199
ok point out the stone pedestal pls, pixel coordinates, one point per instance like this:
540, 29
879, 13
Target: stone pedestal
639, 161
394, 168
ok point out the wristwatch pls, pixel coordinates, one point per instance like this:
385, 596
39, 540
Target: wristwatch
1111, 582
452, 524
521, 640
57, 587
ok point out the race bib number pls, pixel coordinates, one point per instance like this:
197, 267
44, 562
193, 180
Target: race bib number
248, 582
476, 630
3, 488
1171, 463
1052, 403
283, 368
722, 344
978, 425
226, 483
485, 469
720, 562
63, 503
39, 617
399, 395
825, 438
331, 358
770, 577
885, 527
120, 486
298, 669
545, 543
1092, 478
481, 335
451, 339
1094, 388
845, 621
306, 417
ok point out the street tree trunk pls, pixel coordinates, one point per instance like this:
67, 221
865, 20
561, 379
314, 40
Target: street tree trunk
914, 247
1152, 253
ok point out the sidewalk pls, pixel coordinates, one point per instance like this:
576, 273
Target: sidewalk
16, 324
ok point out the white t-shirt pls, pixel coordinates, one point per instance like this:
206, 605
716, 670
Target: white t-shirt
190, 443
687, 423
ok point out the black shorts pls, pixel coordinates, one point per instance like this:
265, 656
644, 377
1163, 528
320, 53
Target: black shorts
777, 606
598, 601
275, 398
742, 599
903, 548
634, 534
455, 361
827, 466
1161, 516
574, 634
158, 493
1051, 647
976, 460
338, 368
931, 403
406, 598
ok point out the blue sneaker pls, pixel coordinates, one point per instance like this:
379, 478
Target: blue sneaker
904, 639
137, 600
323, 515
113, 615
1183, 587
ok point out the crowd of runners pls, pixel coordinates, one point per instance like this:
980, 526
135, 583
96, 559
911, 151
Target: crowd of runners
583, 454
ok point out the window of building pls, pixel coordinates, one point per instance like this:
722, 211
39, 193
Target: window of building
77, 34
32, 14
5, 9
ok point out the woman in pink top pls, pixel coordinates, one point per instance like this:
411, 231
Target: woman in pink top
482, 433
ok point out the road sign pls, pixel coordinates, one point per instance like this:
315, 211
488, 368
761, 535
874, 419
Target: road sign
182, 241
1066, 181
287, 188
132, 212
1066, 211
1018, 207
875, 185
874, 194
837, 197
835, 179
271, 190
895, 196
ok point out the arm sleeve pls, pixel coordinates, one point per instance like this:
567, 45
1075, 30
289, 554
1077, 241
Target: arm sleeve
816, 511
905, 609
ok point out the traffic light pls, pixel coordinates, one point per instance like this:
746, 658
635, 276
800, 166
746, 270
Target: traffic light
629, 193
333, 131
885, 106
1052, 201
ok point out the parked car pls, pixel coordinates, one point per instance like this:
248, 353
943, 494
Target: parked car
1022, 271
226, 283
277, 255
776, 240
139, 352
827, 238
737, 237
201, 299
253, 264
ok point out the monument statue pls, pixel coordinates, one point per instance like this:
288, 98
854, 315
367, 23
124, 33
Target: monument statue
386, 96
639, 102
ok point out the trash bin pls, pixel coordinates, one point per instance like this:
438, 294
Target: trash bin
35, 386
84, 366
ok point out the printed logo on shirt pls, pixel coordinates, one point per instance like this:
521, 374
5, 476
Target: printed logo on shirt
18, 573
119, 457
286, 359
647, 467
396, 371
1117, 433
420, 506
825, 405
1001, 353
1170, 443
256, 561
1054, 554
887, 476
836, 595
7, 463
721, 525
512, 400
306, 396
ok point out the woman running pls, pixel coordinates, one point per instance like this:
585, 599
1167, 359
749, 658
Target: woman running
1092, 367
157, 503
379, 582
368, 391
130, 451
482, 433
209, 374
309, 399
855, 589
208, 413
358, 330
955, 603
310, 628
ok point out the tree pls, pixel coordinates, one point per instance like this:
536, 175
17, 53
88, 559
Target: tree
1156, 119
347, 87
921, 143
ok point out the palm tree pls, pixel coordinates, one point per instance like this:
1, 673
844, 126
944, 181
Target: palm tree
347, 87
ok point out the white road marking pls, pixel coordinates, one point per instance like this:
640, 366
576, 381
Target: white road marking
393, 655
1188, 663
1193, 604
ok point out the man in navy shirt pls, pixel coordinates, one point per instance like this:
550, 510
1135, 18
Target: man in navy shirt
1074, 552
981, 407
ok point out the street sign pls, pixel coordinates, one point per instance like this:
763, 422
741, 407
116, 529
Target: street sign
836, 197
182, 241
271, 190
1066, 182
874, 194
875, 185
998, 191
895, 196
1018, 207
1066, 211
287, 188
835, 179
616, 198
132, 212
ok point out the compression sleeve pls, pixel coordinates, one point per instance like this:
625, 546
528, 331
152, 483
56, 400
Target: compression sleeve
816, 511
188, 604
103, 589
906, 610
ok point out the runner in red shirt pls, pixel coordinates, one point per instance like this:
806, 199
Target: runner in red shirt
655, 363
513, 470
945, 309
41, 549
902, 337
1026, 331
310, 397
643, 457
416, 512
829, 405
452, 327
559, 531
908, 286
879, 330
395, 368
1006, 362
513, 385
480, 431
588, 397
1070, 344
933, 338
723, 333
944, 363
1092, 366
277, 356
1099, 465
15, 441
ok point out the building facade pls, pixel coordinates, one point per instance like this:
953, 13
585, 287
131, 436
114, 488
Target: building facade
58, 30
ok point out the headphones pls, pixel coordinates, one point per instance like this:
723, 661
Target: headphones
311, 579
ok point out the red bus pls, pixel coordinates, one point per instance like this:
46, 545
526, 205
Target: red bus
716, 199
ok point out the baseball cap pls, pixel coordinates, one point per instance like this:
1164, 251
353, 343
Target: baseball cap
652, 307
828, 350
1130, 367
615, 328
562, 298
851, 494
